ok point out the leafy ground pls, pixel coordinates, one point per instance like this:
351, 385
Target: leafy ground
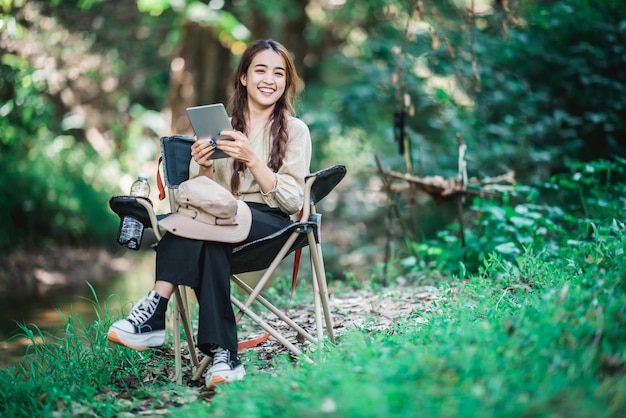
364, 309
544, 337
536, 328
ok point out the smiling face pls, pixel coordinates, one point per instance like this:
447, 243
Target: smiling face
265, 79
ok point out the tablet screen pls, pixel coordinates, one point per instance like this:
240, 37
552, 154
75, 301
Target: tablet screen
208, 121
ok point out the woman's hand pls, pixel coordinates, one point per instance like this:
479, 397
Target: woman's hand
236, 145
202, 150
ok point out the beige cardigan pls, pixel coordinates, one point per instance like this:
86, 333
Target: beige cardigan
289, 190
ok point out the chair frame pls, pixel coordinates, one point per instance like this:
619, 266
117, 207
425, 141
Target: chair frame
301, 233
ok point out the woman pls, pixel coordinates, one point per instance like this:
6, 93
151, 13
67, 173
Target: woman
271, 153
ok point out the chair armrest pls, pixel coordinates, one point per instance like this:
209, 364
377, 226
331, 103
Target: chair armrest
139, 208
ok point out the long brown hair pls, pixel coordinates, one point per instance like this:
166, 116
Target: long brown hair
282, 109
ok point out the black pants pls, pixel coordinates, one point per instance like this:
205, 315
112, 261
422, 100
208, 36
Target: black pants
205, 267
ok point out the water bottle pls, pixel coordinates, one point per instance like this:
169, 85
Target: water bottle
140, 187
131, 229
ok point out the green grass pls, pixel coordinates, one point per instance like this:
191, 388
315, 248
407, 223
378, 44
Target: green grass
549, 345
538, 330
547, 339
78, 373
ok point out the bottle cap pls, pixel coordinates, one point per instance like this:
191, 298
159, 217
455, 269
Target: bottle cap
142, 176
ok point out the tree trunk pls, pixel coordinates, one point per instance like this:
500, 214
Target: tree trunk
199, 75
201, 72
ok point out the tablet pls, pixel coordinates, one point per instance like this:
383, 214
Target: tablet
208, 121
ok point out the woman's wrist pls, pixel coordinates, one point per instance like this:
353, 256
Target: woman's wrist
206, 169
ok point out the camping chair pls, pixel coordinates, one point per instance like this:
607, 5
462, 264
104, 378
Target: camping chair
264, 254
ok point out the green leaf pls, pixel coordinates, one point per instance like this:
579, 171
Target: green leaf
508, 248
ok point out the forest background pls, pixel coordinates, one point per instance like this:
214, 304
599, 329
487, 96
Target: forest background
514, 292
87, 88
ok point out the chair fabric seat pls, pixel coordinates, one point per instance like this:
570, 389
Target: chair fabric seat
259, 254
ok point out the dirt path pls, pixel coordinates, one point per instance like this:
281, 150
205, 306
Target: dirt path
372, 311
368, 310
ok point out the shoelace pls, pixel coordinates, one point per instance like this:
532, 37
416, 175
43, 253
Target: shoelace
222, 356
142, 311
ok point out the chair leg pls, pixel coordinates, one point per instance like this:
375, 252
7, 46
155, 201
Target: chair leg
203, 365
282, 316
317, 260
317, 301
182, 302
269, 329
268, 273
182, 315
177, 360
